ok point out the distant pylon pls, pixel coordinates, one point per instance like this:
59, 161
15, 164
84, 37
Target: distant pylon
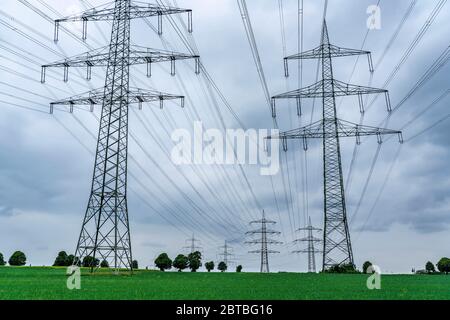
337, 247
263, 241
311, 250
192, 247
226, 253
105, 231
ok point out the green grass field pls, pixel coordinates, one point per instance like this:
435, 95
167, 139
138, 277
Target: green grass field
50, 283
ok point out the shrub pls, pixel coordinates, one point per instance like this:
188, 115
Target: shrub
342, 268
2, 260
239, 268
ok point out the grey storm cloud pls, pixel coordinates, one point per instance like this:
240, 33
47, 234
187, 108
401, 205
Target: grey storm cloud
46, 160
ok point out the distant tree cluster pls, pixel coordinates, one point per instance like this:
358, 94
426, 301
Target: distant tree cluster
17, 259
63, 259
443, 266
342, 268
193, 261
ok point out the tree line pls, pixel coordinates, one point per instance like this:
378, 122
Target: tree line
193, 261
18, 259
64, 260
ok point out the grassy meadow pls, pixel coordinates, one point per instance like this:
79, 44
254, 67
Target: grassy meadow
50, 283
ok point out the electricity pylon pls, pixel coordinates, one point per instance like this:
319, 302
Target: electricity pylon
105, 231
337, 248
310, 250
226, 253
263, 241
192, 247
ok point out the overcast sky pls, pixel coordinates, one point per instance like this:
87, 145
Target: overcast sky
46, 160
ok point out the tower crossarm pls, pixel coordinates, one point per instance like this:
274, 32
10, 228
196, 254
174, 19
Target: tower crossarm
135, 96
196, 248
313, 251
313, 239
263, 221
136, 10
344, 129
267, 251
334, 51
309, 228
269, 241
318, 90
138, 55
263, 230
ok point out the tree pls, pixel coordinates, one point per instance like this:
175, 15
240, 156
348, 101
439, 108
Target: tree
209, 266
444, 265
135, 265
222, 266
195, 260
2, 261
366, 266
239, 268
18, 258
181, 262
430, 267
104, 264
90, 262
61, 260
342, 268
163, 262
71, 259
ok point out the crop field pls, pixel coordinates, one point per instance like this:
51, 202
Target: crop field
50, 283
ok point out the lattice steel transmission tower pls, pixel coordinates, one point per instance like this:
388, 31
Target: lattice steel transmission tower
310, 250
226, 253
105, 231
193, 246
337, 248
263, 241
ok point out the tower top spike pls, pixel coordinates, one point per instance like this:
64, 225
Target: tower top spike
325, 38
